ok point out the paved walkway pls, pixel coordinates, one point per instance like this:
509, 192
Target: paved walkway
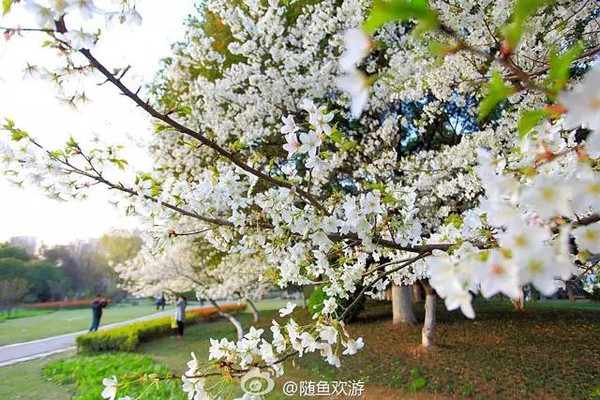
19, 352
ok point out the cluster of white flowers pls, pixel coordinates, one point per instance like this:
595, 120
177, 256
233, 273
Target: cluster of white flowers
193, 383
253, 349
63, 174
310, 141
77, 12
534, 202
110, 389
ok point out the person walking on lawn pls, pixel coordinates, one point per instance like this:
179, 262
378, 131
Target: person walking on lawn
180, 315
97, 305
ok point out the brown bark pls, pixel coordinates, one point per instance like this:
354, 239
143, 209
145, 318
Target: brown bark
416, 292
570, 292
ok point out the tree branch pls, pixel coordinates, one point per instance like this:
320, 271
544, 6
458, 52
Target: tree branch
145, 105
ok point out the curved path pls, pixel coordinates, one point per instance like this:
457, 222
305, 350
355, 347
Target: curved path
19, 352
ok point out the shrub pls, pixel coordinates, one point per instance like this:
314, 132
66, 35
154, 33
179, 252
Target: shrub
127, 337
87, 372
124, 338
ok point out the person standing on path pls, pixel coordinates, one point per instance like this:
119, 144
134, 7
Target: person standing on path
161, 301
180, 315
97, 305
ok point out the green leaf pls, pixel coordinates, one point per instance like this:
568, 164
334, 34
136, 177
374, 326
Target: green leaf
6, 4
237, 145
454, 219
497, 91
523, 10
184, 111
155, 191
119, 162
159, 127
560, 67
71, 142
336, 135
389, 199
376, 186
18, 134
383, 12
8, 124
348, 145
529, 120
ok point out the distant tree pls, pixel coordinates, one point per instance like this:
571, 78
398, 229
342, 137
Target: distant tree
12, 292
42, 276
12, 268
18, 253
114, 248
75, 261
119, 246
90, 264
45, 279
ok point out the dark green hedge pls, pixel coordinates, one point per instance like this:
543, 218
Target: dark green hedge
127, 337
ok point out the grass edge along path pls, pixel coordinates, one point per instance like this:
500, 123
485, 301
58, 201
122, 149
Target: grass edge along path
62, 322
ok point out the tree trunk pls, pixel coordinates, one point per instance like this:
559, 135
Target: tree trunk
519, 302
253, 308
304, 305
402, 306
231, 318
570, 293
416, 292
427, 335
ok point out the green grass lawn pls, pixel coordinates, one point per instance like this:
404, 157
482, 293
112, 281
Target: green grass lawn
542, 353
550, 351
25, 381
22, 313
564, 304
272, 304
545, 304
65, 321
547, 352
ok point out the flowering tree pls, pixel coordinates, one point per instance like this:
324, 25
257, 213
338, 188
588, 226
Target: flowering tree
188, 265
354, 198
